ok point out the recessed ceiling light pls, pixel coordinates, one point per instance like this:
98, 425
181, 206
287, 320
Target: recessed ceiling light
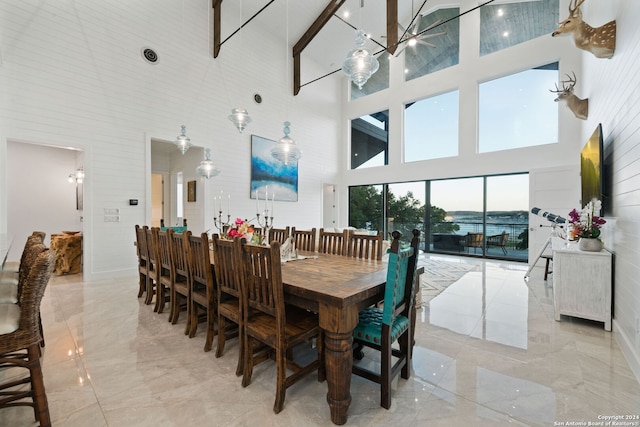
500, 12
505, 34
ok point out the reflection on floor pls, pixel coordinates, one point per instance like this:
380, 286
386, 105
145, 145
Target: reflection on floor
488, 353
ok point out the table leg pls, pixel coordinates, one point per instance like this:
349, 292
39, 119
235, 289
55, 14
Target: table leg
338, 363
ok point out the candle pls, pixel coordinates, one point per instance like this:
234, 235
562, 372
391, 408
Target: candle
257, 208
273, 197
220, 206
229, 205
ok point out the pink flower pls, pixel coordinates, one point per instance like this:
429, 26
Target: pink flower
233, 232
239, 221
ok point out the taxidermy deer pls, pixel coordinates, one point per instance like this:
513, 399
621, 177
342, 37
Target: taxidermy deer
600, 41
579, 107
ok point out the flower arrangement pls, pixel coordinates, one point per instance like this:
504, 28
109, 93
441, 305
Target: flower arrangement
586, 223
243, 229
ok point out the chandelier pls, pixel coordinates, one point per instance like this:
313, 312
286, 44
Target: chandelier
286, 149
360, 63
182, 141
240, 118
207, 168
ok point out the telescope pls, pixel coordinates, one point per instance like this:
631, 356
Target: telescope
548, 216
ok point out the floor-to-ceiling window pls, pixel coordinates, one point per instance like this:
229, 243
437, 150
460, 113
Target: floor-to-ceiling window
483, 216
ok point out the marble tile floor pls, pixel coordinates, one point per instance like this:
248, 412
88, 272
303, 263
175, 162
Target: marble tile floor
488, 353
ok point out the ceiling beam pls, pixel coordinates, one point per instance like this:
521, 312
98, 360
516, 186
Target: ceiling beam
217, 17
306, 38
392, 26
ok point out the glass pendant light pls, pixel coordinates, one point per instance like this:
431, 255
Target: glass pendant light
207, 168
182, 141
286, 149
240, 118
360, 63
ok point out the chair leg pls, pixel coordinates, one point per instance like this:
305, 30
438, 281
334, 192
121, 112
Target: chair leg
40, 404
241, 347
149, 297
385, 375
193, 319
248, 361
143, 284
222, 330
159, 297
281, 382
211, 332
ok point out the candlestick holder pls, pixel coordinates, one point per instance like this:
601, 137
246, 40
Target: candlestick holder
266, 223
220, 224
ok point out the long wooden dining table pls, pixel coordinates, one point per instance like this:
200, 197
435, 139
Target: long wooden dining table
337, 288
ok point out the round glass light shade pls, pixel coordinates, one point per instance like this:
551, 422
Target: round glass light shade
240, 118
360, 63
182, 141
286, 149
207, 168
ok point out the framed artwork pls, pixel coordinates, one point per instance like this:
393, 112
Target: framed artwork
191, 191
270, 174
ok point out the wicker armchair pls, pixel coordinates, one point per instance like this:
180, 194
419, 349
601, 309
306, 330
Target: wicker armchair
499, 240
20, 341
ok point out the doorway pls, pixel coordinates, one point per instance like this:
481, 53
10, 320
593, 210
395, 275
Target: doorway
157, 200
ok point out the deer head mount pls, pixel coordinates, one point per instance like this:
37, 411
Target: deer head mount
600, 41
579, 107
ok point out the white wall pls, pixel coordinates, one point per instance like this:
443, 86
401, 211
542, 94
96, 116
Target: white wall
613, 87
72, 75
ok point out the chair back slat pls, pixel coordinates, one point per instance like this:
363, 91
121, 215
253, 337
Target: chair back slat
279, 234
261, 279
365, 246
334, 243
165, 249
180, 253
200, 262
224, 263
305, 240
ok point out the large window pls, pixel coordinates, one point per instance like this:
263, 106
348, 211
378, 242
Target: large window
518, 110
365, 207
370, 140
507, 24
481, 216
433, 50
431, 128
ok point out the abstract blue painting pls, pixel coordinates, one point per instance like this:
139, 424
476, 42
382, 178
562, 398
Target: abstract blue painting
268, 174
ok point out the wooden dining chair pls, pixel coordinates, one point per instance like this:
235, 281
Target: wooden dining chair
268, 321
20, 338
152, 263
202, 284
228, 297
365, 246
279, 234
380, 328
334, 243
180, 288
166, 271
143, 257
305, 240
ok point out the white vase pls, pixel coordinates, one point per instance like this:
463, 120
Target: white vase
590, 244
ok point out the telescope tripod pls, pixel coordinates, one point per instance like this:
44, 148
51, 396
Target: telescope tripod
554, 233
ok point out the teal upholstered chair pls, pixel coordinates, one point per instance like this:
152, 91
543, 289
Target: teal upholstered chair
380, 328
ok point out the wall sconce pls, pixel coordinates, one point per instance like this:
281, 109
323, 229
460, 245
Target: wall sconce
76, 177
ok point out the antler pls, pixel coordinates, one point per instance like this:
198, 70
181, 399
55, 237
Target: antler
566, 89
575, 8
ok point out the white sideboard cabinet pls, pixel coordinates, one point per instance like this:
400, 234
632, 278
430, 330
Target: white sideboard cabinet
581, 283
